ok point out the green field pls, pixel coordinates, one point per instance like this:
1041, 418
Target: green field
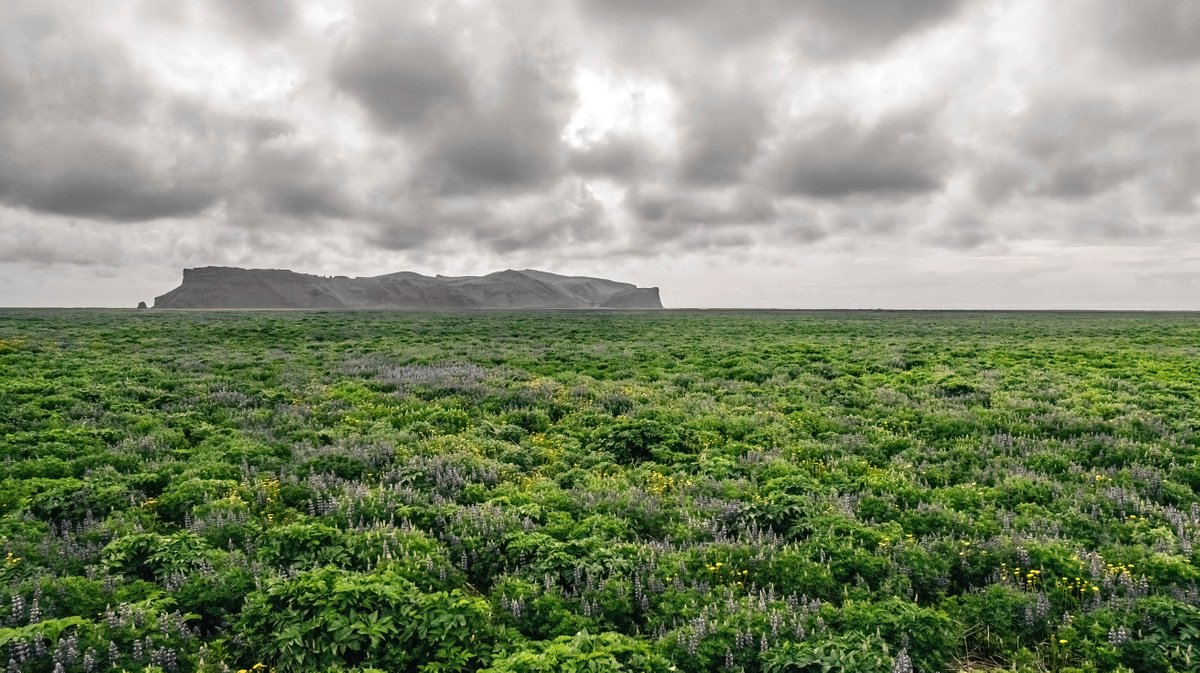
599, 491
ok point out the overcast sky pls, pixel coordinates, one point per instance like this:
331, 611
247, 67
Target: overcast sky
759, 153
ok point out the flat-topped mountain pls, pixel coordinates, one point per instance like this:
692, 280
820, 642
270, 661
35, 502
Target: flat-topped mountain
231, 287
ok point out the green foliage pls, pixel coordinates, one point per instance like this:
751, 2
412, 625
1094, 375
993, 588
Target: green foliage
327, 617
846, 654
49, 629
536, 491
933, 637
152, 556
582, 653
303, 545
635, 440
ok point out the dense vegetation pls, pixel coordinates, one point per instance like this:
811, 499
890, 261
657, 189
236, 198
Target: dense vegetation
579, 491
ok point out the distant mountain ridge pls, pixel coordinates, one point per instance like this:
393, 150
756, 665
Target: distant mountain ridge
233, 287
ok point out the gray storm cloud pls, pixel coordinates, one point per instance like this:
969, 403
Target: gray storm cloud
508, 140
592, 131
821, 28
285, 181
83, 134
260, 18
722, 132
1083, 146
623, 159
402, 76
1152, 32
835, 158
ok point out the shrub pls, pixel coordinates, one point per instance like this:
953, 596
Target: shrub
635, 440
582, 653
328, 617
851, 653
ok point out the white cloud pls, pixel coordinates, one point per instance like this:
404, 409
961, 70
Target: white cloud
1002, 152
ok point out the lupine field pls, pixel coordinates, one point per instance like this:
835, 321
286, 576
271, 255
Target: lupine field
599, 491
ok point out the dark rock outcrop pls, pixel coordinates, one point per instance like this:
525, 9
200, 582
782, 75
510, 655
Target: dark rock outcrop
229, 287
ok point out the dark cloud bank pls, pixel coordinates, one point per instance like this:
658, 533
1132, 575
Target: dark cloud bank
590, 132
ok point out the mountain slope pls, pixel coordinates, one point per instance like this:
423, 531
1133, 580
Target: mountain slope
231, 287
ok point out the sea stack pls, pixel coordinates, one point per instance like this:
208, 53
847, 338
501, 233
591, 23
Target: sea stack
217, 287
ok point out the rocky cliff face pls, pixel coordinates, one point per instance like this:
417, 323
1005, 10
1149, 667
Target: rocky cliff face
229, 287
